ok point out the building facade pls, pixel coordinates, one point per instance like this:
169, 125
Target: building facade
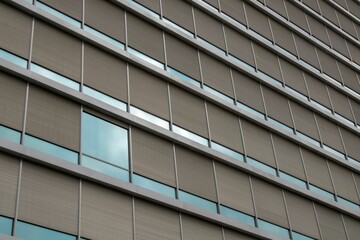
179, 119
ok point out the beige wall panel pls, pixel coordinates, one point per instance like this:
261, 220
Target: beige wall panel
195, 229
182, 57
278, 6
188, 111
201, 183
304, 120
153, 157
145, 37
293, 76
267, 62
234, 9
317, 170
351, 142
12, 103
258, 21
248, 91
312, 4
328, 65
330, 222
328, 12
44, 120
105, 73
356, 110
209, 29
256, 136
302, 215
307, 51
282, 35
318, 90
57, 51
9, 174
15, 31
288, 157
98, 15
269, 202
153, 222
340, 103
179, 12
352, 227
213, 3
318, 29
234, 188
49, 198
224, 127
355, 52
296, 15
216, 75
344, 182
338, 43
154, 5
277, 106
346, 24
239, 46
349, 77
329, 133
149, 93
105, 214
232, 235
73, 8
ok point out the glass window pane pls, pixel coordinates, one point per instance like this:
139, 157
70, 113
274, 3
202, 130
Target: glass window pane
28, 231
269, 227
261, 166
244, 218
197, 201
105, 141
298, 236
12, 58
153, 186
105, 98
5, 225
104, 37
227, 151
10, 134
149, 117
292, 179
190, 135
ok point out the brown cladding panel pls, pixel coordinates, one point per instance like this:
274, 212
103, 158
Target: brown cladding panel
45, 121
278, 6
188, 111
329, 133
328, 65
153, 222
179, 12
312, 4
57, 51
267, 62
73, 8
297, 15
9, 174
234, 189
105, 73
338, 43
106, 214
258, 21
191, 178
293, 77
340, 103
328, 12
145, 38
317, 90
355, 52
12, 101
330, 222
307, 51
347, 24
149, 92
213, 3
224, 127
352, 227
195, 229
256, 136
283, 36
349, 77
153, 5
356, 109
15, 31
153, 157
318, 29
49, 198
235, 9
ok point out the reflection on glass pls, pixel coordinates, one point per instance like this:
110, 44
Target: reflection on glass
145, 58
51, 149
5, 225
292, 179
348, 203
307, 138
280, 125
261, 166
145, 9
104, 37
13, 58
239, 216
153, 186
218, 94
28, 231
58, 14
183, 76
298, 236
197, 201
322, 192
277, 230
105, 141
104, 98
333, 151
250, 110
174, 25
149, 117
190, 135
227, 151
55, 77
10, 134
105, 168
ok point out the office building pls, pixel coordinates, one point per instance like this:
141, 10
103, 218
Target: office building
179, 119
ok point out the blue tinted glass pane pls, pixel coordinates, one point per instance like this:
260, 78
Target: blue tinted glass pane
55, 77
250, 110
5, 225
261, 166
298, 236
145, 9
105, 141
353, 161
197, 201
174, 25
104, 37
104, 98
343, 119
145, 58
218, 94
333, 151
12, 58
190, 135
269, 227
31, 232
211, 46
348, 203
280, 125
183, 76
149, 117
227, 151
51, 149
296, 93
292, 179
10, 134
241, 63
269, 78
153, 186
58, 14
321, 106
244, 218
309, 139
322, 192
105, 168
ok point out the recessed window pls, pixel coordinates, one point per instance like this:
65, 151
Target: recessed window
28, 231
197, 201
10, 134
5, 225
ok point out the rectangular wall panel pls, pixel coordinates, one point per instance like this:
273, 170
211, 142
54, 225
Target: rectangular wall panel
234, 9
258, 21
340, 103
307, 52
328, 65
351, 142
278, 6
318, 29
352, 227
267, 62
153, 157
330, 222
194, 228
105, 213
349, 77
283, 36
329, 133
318, 90
72, 8
293, 77
153, 5
179, 12
297, 15
338, 43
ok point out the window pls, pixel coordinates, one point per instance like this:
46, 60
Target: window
5, 225
28, 231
